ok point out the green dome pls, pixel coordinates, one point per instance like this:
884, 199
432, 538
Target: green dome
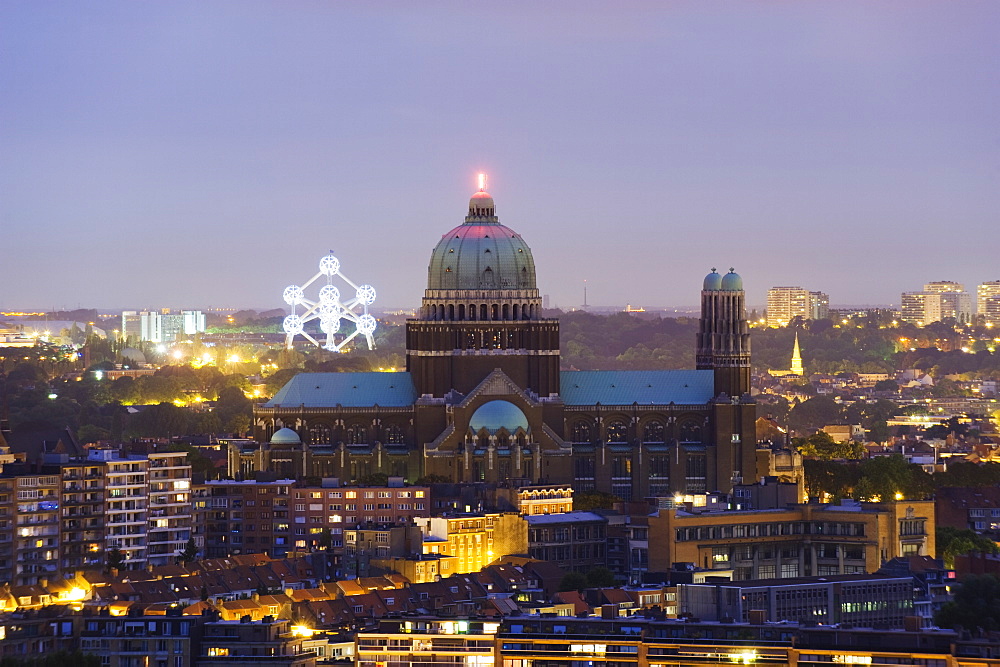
285, 436
496, 415
731, 282
713, 282
481, 254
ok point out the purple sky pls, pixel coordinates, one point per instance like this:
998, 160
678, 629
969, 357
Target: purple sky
194, 154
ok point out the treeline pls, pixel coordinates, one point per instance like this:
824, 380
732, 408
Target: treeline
882, 477
623, 341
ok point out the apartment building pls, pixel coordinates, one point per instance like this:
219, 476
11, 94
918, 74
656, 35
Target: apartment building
801, 540
126, 494
36, 528
786, 303
82, 515
169, 506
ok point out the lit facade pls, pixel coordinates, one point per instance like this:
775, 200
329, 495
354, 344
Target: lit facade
938, 301
125, 503
984, 293
82, 515
36, 528
802, 540
786, 303
473, 541
169, 506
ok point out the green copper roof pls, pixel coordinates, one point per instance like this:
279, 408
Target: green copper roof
481, 254
319, 390
643, 387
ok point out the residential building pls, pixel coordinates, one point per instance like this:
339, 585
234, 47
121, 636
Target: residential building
423, 640
168, 507
35, 525
83, 514
473, 540
799, 540
784, 304
984, 292
269, 642
871, 601
126, 493
575, 541
242, 517
938, 301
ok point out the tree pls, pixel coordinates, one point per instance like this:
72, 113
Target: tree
594, 500
189, 553
573, 581
976, 605
814, 414
953, 542
822, 446
432, 478
374, 479
886, 385
600, 577
116, 559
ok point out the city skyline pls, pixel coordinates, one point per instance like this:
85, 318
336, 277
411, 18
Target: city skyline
191, 155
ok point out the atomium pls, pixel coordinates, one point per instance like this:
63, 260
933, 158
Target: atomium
328, 309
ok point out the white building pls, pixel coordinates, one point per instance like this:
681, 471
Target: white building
985, 292
786, 303
938, 301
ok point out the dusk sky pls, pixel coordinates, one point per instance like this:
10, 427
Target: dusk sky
208, 153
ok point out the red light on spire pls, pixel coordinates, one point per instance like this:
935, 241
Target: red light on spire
482, 182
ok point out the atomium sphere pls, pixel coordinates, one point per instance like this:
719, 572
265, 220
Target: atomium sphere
366, 294
293, 294
366, 324
328, 310
329, 325
329, 265
329, 293
293, 324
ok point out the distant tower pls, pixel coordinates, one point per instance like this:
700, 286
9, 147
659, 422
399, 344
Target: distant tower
723, 333
797, 358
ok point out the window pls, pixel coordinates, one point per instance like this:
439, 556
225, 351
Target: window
581, 432
653, 432
617, 432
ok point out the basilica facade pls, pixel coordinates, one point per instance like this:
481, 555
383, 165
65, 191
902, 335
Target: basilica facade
483, 398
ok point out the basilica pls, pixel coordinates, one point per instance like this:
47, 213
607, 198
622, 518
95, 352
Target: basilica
483, 398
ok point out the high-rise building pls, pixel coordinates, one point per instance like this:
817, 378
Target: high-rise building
938, 301
991, 313
161, 326
168, 507
786, 303
984, 292
126, 494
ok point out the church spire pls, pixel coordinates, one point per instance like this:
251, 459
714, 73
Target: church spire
797, 357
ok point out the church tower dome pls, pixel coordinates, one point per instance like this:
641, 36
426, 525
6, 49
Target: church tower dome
724, 334
481, 254
482, 310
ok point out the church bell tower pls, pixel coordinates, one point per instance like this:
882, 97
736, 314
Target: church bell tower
723, 333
